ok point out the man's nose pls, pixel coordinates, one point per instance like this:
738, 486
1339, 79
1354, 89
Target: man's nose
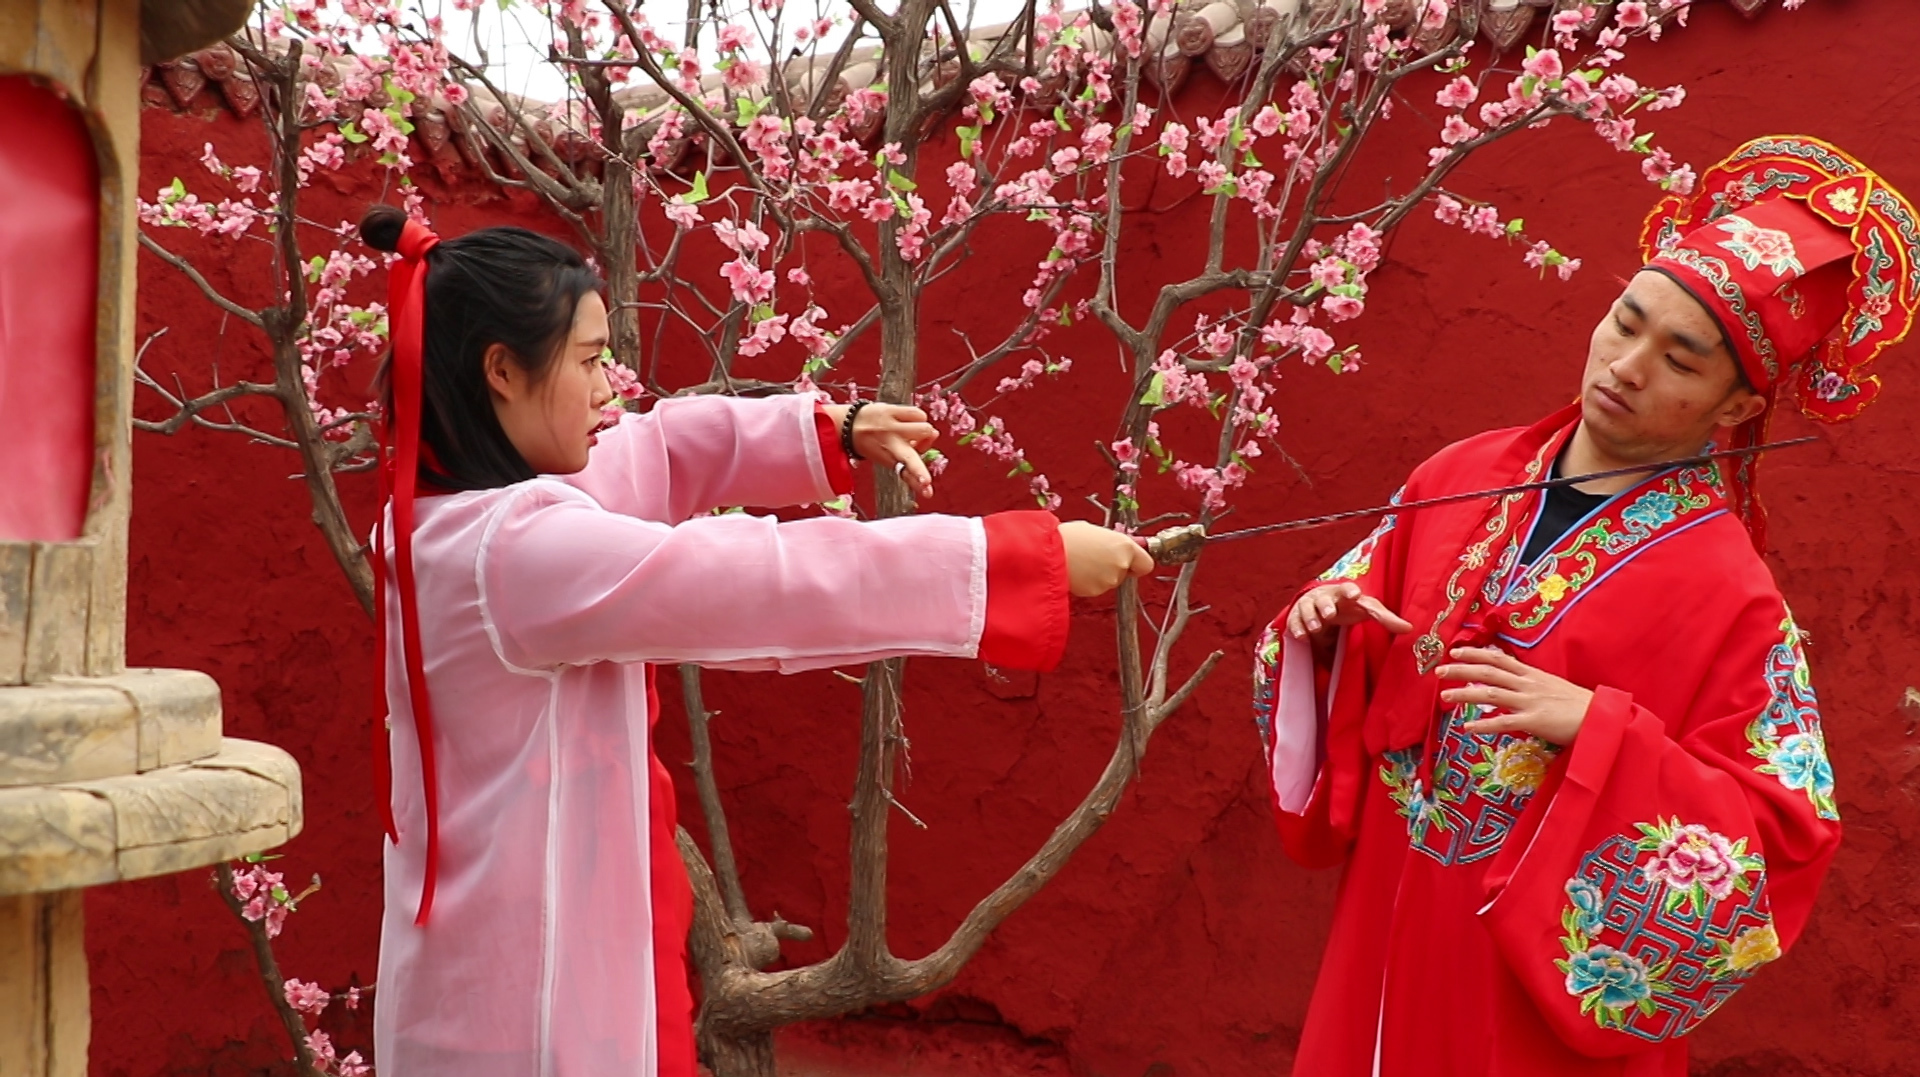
1631, 369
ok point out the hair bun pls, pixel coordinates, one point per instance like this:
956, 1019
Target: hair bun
381, 225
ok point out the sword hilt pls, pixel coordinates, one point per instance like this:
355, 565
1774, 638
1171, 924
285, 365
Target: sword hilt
1177, 545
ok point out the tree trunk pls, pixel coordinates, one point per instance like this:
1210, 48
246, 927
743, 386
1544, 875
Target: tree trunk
747, 1055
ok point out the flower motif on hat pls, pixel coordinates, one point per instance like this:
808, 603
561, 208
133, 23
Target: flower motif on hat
1844, 200
1758, 247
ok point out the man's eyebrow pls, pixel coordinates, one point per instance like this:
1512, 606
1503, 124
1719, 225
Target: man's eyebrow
1631, 304
1690, 343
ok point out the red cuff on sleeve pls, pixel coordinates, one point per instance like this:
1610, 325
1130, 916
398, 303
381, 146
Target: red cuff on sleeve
839, 469
1026, 592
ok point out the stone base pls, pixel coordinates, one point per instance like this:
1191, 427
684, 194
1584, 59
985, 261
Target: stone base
243, 799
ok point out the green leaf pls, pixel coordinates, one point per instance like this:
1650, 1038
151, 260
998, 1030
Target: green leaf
968, 136
314, 267
1125, 130
351, 133
400, 94
1593, 75
899, 182
1248, 160
1336, 364
175, 191
1060, 117
760, 314
389, 159
1516, 226
986, 113
1156, 394
746, 109
1037, 215
1643, 144
698, 193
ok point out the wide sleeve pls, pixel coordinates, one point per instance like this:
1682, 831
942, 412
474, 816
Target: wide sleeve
1310, 712
563, 582
1662, 864
693, 454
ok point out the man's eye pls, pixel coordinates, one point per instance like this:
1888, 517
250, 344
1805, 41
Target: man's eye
1621, 327
1678, 365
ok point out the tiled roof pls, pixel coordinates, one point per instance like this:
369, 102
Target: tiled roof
1220, 37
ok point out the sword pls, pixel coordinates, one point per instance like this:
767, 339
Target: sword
1179, 545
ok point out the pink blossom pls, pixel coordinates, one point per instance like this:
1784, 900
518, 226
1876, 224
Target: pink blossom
1065, 161
1544, 65
1485, 221
1342, 307
387, 136
963, 178
798, 275
321, 1045
1125, 451
1435, 15
1568, 268
1447, 210
1176, 164
734, 37
1314, 342
743, 239
247, 178
1097, 142
1631, 15
1536, 256
308, 998
847, 196
1457, 130
1619, 89
1681, 181
683, 214
1212, 174
1268, 122
354, 1066
1457, 94
742, 75
1328, 272
751, 284
1173, 138
957, 213
455, 94
624, 382
766, 333
878, 208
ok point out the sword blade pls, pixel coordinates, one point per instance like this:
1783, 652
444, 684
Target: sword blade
1309, 522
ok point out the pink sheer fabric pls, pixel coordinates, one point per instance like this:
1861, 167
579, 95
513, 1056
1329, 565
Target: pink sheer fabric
540, 604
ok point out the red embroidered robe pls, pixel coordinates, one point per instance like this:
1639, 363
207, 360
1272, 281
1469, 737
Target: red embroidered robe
1510, 908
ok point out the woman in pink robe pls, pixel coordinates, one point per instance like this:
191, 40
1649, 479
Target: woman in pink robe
536, 909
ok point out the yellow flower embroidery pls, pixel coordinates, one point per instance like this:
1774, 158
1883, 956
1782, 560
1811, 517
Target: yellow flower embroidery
1554, 588
1519, 766
1755, 947
1845, 200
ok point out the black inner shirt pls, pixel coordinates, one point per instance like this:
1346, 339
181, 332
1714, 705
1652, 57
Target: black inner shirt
1565, 507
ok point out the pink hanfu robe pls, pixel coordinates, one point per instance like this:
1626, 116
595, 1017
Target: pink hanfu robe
555, 946
1510, 908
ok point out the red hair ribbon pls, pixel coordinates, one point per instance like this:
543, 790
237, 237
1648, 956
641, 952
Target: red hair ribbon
406, 306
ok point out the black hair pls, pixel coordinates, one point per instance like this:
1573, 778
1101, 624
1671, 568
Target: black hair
506, 286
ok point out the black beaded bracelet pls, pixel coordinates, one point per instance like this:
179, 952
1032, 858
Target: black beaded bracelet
846, 430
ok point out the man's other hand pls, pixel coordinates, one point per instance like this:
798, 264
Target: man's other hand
1523, 699
1322, 610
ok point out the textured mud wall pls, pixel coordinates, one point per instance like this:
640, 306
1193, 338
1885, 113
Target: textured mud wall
1179, 942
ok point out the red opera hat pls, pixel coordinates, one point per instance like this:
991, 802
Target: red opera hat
1810, 261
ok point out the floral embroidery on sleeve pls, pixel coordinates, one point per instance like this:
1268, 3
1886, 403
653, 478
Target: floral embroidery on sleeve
1787, 734
1660, 930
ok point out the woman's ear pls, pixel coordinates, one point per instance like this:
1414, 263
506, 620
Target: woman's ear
505, 380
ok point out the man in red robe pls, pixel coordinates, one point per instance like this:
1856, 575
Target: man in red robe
1565, 742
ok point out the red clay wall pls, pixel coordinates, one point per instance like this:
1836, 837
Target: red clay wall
1179, 942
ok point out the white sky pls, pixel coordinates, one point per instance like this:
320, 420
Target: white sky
515, 39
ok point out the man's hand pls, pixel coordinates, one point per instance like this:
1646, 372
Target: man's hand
1528, 700
889, 436
1323, 609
